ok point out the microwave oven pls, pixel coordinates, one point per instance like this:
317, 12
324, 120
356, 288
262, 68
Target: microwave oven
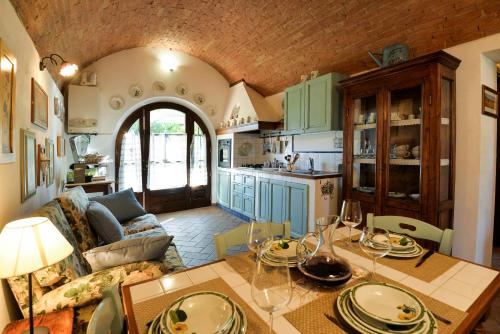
224, 146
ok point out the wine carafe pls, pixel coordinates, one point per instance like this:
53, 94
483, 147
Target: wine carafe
316, 257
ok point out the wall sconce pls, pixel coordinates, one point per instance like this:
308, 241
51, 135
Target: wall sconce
66, 70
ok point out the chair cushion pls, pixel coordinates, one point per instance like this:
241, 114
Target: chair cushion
128, 251
140, 224
123, 204
74, 203
103, 222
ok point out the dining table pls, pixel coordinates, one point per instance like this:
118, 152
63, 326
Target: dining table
454, 289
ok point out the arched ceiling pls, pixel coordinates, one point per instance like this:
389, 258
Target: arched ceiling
269, 43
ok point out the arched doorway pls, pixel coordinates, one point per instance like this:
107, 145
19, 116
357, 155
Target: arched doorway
163, 152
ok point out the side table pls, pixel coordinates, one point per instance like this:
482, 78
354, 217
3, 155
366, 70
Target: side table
105, 187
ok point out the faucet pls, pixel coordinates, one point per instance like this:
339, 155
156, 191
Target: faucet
311, 165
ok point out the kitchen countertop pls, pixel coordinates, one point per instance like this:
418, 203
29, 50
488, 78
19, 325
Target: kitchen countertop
301, 174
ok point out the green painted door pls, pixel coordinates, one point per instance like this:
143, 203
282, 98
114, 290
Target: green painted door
297, 206
294, 109
224, 188
264, 212
318, 110
249, 206
277, 195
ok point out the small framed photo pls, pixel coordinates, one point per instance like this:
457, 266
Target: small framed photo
39, 105
49, 152
61, 146
7, 103
490, 102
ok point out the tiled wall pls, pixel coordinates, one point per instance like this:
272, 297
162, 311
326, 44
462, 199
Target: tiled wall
248, 149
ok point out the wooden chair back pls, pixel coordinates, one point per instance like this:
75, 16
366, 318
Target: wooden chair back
238, 236
414, 228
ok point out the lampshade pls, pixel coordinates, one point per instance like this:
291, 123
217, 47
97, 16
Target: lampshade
29, 244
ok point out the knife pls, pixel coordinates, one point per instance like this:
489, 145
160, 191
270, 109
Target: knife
425, 257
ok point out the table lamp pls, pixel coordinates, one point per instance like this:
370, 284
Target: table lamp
27, 245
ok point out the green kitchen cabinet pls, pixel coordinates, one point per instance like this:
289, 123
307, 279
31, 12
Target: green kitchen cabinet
314, 105
297, 202
277, 196
294, 109
243, 187
264, 210
224, 188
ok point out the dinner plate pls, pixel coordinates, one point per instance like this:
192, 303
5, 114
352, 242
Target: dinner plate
275, 251
396, 242
271, 262
387, 303
207, 313
370, 326
417, 251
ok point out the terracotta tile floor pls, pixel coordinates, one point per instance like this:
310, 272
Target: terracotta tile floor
193, 232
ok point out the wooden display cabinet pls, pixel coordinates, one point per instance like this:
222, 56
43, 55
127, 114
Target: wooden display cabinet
399, 139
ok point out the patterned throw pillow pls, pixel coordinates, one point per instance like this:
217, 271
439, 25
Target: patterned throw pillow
74, 204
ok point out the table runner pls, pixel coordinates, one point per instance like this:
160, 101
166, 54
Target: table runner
310, 319
432, 268
147, 310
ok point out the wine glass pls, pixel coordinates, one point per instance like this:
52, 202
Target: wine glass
258, 233
376, 243
351, 215
271, 287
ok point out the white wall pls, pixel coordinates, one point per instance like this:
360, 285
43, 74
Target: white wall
475, 151
117, 72
15, 37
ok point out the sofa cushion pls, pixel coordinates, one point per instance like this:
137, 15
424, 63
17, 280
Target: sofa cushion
74, 204
140, 224
71, 267
123, 204
128, 251
103, 222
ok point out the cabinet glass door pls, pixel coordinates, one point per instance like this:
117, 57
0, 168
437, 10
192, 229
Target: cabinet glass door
405, 117
445, 137
364, 144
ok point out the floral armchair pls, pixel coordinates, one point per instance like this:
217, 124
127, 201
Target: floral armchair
70, 282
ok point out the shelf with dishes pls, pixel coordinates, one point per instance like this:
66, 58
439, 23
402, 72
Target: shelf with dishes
405, 162
359, 160
406, 122
365, 126
395, 194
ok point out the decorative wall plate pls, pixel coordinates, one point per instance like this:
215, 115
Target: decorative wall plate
136, 91
159, 86
116, 102
199, 99
211, 110
181, 89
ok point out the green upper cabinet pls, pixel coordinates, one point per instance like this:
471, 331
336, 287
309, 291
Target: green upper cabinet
314, 105
294, 108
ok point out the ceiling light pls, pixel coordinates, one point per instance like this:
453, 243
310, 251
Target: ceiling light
168, 62
66, 70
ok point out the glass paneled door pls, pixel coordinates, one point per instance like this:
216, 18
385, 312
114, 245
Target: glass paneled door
164, 155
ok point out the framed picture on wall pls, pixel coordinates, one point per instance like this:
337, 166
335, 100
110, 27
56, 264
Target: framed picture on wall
490, 102
49, 151
39, 105
61, 146
57, 107
28, 164
7, 104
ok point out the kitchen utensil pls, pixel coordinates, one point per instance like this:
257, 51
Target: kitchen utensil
442, 319
424, 258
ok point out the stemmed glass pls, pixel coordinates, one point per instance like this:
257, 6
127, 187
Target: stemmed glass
258, 233
271, 287
376, 243
351, 215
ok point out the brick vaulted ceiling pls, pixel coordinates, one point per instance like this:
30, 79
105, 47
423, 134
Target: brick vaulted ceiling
269, 43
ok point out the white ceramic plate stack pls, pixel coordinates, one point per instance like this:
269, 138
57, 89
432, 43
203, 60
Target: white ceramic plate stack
379, 308
404, 246
207, 312
276, 255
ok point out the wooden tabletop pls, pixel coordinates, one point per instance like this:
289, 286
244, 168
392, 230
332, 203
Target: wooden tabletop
69, 185
475, 299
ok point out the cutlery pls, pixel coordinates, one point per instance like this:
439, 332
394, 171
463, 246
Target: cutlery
444, 320
425, 257
335, 321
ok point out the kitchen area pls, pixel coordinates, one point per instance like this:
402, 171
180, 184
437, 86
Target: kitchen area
282, 167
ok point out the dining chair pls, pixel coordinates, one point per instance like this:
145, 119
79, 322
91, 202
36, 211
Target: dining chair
238, 236
414, 228
108, 316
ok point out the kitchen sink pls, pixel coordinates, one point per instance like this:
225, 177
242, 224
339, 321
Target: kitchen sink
308, 172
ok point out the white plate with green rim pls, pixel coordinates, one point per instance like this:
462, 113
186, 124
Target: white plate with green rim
206, 312
414, 253
276, 251
387, 303
344, 305
401, 242
242, 326
271, 262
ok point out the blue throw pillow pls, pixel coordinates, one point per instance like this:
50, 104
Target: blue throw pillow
123, 204
104, 223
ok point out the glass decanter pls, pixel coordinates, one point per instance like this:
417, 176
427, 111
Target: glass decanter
316, 257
